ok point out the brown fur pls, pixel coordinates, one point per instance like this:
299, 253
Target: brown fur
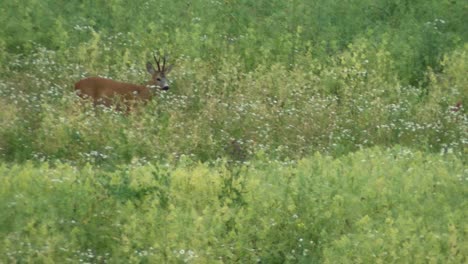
104, 91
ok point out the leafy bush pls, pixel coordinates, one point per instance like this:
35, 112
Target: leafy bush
370, 206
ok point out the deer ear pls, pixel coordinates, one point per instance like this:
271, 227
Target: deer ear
150, 68
168, 69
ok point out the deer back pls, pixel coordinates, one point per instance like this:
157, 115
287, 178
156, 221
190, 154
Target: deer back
106, 90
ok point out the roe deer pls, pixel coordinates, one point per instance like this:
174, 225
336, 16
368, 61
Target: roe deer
106, 91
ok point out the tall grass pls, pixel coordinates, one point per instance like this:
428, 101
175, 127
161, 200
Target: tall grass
355, 101
294, 132
285, 78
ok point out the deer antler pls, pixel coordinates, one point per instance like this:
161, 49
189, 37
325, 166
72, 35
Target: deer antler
164, 63
157, 62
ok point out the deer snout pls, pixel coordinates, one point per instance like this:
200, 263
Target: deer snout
165, 88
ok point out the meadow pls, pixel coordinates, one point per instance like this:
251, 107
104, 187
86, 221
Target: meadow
293, 132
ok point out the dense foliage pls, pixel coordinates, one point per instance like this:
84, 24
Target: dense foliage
373, 206
294, 131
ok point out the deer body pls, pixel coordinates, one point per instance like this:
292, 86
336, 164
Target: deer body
106, 91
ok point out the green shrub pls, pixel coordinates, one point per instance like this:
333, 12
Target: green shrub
370, 206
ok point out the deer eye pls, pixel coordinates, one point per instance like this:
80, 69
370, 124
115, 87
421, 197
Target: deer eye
158, 79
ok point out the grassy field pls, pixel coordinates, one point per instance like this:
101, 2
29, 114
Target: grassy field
294, 132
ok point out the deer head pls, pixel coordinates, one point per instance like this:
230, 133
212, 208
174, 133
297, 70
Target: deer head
158, 78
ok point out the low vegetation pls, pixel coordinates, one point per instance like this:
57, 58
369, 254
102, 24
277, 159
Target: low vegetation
372, 206
293, 132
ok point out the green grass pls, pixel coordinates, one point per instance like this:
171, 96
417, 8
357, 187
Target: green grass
372, 206
294, 132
